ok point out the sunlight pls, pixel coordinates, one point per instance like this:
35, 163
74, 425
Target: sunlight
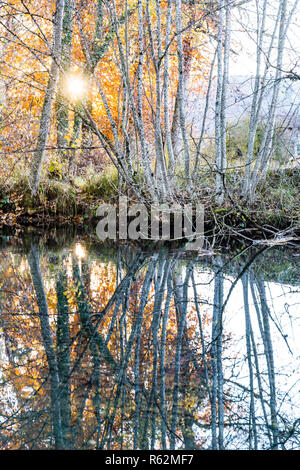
22, 267
75, 86
80, 252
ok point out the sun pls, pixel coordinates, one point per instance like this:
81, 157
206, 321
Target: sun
75, 86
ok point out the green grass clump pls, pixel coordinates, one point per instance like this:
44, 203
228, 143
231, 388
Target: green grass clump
103, 185
60, 193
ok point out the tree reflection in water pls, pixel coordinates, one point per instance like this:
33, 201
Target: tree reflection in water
147, 351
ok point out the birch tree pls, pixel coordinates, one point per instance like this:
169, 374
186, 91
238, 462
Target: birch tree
38, 159
62, 105
35, 270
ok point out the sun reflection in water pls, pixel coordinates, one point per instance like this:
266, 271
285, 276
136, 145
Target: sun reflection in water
80, 251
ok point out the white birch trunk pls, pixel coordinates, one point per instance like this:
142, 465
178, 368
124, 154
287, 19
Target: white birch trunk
182, 83
218, 106
38, 159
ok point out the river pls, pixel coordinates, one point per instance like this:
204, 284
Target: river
110, 347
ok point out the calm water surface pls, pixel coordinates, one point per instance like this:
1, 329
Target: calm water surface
107, 348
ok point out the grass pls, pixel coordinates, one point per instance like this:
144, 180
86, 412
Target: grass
279, 195
58, 196
103, 185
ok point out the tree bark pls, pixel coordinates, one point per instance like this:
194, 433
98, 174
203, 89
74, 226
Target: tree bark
35, 270
61, 105
38, 159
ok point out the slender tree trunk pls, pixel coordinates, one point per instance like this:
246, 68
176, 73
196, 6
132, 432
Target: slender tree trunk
261, 19
217, 398
38, 159
181, 301
35, 270
160, 285
256, 355
143, 302
184, 65
181, 93
61, 105
168, 134
162, 368
252, 418
63, 355
204, 119
268, 348
218, 106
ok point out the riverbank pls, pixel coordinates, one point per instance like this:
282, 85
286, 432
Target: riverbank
275, 210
